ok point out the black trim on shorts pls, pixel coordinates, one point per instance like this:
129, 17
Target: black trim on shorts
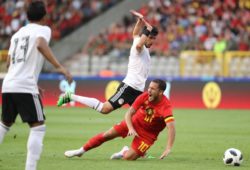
124, 95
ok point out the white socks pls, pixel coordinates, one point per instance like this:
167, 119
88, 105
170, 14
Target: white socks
90, 102
34, 146
3, 130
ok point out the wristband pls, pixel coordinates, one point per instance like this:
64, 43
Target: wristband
146, 32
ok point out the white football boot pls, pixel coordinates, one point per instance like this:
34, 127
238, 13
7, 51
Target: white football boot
119, 155
73, 153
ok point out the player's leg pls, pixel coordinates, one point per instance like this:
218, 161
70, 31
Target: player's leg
131, 154
93, 103
120, 154
93, 143
31, 111
116, 101
126, 153
124, 94
131, 94
3, 130
35, 144
138, 149
9, 113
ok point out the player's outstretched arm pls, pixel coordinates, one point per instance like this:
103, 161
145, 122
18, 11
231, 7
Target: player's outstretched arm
45, 50
171, 139
128, 119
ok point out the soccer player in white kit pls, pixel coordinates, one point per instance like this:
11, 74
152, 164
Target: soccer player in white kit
134, 82
20, 92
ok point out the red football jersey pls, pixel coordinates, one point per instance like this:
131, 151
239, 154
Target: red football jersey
150, 118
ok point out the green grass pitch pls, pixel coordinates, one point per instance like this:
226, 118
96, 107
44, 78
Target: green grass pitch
201, 139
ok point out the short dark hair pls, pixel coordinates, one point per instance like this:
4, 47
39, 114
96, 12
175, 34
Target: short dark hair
36, 11
162, 84
154, 32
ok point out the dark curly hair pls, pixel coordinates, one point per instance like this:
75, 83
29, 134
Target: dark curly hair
162, 84
36, 11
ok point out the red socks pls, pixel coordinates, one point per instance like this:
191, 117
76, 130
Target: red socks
94, 142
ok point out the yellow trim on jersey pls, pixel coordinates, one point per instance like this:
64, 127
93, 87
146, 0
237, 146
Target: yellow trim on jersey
169, 119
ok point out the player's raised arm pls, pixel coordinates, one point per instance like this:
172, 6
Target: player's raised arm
128, 119
149, 32
138, 27
45, 50
170, 140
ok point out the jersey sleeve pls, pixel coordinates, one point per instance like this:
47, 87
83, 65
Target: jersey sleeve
135, 42
11, 47
45, 33
139, 101
168, 115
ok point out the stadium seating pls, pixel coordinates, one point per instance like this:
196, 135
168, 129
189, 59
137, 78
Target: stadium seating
219, 26
63, 16
184, 25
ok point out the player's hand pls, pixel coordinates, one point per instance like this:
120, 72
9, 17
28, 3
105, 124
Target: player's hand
149, 27
137, 14
68, 76
132, 132
66, 73
165, 153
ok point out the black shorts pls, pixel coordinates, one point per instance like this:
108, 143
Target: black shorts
124, 95
28, 106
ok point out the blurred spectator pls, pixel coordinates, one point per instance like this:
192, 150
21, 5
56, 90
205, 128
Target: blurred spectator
243, 44
63, 15
184, 24
188, 25
220, 45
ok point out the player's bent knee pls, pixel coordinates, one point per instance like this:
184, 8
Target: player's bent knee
107, 108
105, 111
130, 157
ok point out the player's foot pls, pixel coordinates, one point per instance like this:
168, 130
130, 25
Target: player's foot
119, 155
73, 153
65, 98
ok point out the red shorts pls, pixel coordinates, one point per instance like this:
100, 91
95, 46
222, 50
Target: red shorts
139, 144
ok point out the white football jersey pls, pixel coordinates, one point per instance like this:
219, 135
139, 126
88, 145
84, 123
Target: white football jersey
138, 67
25, 60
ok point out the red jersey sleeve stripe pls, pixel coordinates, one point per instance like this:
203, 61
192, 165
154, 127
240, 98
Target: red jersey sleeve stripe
169, 119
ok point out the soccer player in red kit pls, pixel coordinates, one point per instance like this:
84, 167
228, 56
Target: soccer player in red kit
147, 117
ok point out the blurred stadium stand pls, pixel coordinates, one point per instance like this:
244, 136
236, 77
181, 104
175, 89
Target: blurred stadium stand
64, 16
206, 38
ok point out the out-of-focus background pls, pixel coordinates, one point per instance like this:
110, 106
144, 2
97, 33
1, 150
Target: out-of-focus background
200, 42
202, 51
